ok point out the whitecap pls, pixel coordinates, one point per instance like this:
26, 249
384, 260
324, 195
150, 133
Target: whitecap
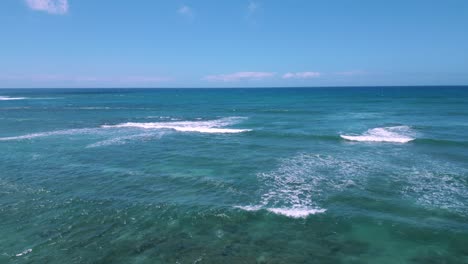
45, 98
296, 212
249, 207
8, 98
209, 126
395, 134
24, 252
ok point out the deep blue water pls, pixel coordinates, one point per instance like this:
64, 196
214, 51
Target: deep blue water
319, 175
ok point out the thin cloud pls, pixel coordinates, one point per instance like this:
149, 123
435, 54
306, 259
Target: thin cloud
351, 73
185, 10
141, 79
239, 76
301, 75
85, 79
252, 7
58, 7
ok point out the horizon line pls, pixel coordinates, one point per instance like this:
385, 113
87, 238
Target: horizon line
249, 87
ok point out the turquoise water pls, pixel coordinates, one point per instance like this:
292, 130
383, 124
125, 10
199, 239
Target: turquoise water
323, 175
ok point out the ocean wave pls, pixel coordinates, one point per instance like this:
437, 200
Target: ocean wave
249, 207
395, 134
296, 212
211, 126
289, 212
8, 98
52, 133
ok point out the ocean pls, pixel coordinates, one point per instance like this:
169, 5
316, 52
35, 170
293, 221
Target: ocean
267, 175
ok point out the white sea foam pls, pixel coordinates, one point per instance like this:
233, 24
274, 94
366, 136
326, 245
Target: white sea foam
125, 139
211, 126
436, 184
51, 133
24, 252
296, 212
8, 98
94, 108
298, 186
249, 207
396, 134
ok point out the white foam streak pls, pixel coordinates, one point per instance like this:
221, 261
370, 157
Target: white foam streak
24, 252
435, 184
8, 98
213, 126
296, 212
249, 207
299, 184
124, 139
51, 133
396, 134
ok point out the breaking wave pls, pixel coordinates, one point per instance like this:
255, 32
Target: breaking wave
289, 212
296, 212
8, 98
212, 126
396, 134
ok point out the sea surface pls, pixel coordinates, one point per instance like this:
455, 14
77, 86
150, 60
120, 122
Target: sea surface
297, 175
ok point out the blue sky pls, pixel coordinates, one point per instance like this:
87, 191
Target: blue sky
213, 43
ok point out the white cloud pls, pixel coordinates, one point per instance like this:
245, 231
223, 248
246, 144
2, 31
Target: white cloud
301, 75
238, 76
185, 10
50, 6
